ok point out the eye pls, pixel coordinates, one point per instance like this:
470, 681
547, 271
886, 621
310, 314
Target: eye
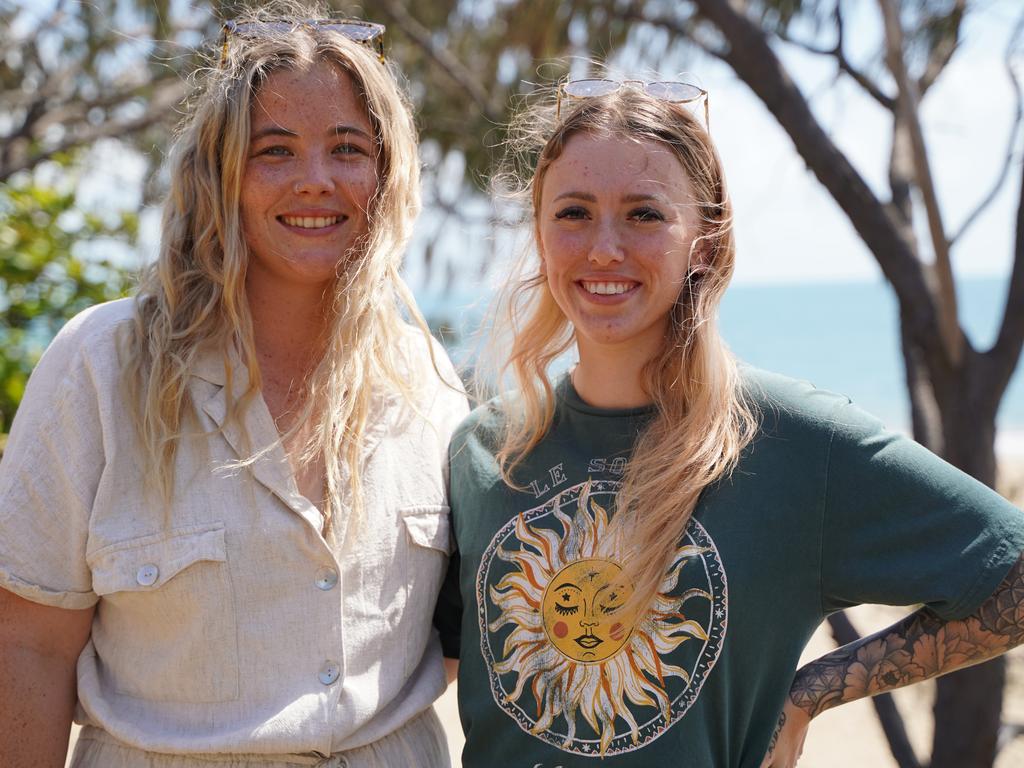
275, 151
565, 610
572, 212
347, 148
609, 605
646, 213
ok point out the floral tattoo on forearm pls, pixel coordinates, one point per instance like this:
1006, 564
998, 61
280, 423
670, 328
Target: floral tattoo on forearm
919, 647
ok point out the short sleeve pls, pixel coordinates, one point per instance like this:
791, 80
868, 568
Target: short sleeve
48, 478
450, 392
903, 527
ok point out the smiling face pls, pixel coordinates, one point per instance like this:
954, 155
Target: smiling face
581, 610
615, 224
309, 176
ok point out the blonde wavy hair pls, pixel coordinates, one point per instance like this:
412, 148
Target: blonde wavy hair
193, 298
702, 418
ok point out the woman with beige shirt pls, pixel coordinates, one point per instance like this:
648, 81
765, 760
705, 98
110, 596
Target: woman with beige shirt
223, 517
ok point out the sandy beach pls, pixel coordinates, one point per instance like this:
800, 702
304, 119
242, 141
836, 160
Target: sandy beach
850, 736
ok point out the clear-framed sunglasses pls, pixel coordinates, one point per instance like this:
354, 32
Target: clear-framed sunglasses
368, 33
666, 90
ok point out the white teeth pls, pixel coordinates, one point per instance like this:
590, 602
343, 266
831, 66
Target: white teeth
311, 222
607, 289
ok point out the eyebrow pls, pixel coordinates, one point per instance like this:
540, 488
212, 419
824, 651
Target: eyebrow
272, 130
567, 584
636, 197
342, 128
578, 196
338, 130
640, 197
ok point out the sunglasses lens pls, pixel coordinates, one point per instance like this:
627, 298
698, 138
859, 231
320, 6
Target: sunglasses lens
358, 32
259, 29
672, 91
355, 31
587, 89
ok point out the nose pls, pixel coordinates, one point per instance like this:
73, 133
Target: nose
314, 178
584, 623
606, 247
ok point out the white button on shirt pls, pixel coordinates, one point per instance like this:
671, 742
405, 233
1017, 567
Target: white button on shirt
329, 673
197, 647
147, 575
326, 578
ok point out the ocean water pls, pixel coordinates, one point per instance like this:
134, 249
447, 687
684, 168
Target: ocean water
840, 336
845, 337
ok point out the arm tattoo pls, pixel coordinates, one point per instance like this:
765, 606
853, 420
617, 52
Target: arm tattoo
919, 647
775, 736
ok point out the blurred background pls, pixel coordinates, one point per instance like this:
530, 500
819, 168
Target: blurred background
873, 150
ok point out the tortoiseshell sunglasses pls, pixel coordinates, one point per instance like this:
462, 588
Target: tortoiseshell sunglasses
368, 33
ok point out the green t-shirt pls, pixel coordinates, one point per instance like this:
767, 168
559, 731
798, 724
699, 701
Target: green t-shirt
825, 510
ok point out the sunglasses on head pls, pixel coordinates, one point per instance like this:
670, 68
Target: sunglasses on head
672, 91
366, 32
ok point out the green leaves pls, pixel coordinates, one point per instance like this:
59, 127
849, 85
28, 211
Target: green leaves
49, 271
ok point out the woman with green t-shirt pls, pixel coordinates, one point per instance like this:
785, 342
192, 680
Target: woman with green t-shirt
648, 542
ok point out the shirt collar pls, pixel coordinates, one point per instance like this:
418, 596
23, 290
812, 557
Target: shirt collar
210, 362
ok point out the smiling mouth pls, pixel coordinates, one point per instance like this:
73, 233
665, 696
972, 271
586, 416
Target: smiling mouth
588, 641
311, 222
607, 288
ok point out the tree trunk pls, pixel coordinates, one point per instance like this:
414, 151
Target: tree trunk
955, 396
925, 417
952, 415
968, 709
885, 706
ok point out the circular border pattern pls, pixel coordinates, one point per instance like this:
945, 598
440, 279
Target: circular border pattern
717, 586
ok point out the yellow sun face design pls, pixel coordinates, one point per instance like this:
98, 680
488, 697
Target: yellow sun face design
581, 606
564, 661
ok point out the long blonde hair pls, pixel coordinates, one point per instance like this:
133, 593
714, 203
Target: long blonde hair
702, 419
193, 298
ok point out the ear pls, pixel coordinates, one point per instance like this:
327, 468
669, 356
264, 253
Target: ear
543, 267
700, 255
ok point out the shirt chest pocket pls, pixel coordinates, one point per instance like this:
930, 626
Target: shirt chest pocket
428, 538
165, 627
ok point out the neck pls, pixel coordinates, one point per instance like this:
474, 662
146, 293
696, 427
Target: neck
611, 378
289, 325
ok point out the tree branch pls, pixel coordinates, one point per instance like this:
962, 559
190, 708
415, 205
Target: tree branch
838, 53
448, 63
907, 103
72, 110
1011, 143
889, 716
942, 52
68, 87
159, 107
751, 57
1004, 355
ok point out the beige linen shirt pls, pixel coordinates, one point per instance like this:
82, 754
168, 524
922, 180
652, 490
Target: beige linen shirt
228, 623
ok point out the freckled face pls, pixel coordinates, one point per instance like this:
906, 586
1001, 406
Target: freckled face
581, 612
615, 225
309, 176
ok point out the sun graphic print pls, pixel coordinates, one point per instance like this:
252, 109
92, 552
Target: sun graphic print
563, 660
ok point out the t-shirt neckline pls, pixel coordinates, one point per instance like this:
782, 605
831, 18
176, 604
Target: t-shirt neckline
566, 392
